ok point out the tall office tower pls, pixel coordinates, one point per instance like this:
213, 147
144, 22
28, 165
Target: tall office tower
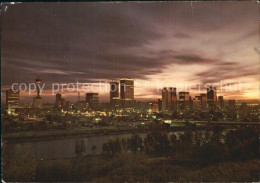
203, 98
169, 99
160, 104
92, 100
114, 94
37, 101
190, 102
211, 97
221, 102
244, 109
12, 100
58, 100
127, 92
184, 98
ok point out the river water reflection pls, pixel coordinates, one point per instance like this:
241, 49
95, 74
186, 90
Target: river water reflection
65, 147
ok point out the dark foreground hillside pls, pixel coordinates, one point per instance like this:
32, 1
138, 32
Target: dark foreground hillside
194, 156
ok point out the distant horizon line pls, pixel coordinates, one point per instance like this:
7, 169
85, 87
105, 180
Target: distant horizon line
138, 100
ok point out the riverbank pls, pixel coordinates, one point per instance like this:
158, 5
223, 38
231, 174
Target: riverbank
56, 134
99, 131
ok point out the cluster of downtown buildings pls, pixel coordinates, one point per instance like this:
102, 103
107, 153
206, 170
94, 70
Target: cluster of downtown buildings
122, 97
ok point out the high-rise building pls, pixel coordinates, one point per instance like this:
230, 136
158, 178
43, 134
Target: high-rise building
127, 92
12, 100
203, 98
211, 97
92, 100
114, 94
244, 108
58, 100
169, 99
37, 101
221, 102
184, 98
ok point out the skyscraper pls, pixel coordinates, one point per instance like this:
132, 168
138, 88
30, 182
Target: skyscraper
221, 102
37, 101
211, 97
184, 98
127, 92
58, 100
203, 99
12, 100
114, 94
92, 100
169, 99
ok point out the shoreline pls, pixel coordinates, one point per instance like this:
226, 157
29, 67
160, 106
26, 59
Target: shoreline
59, 134
86, 132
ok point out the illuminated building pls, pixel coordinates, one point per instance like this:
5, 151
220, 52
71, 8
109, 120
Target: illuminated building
203, 98
63, 102
244, 109
114, 94
184, 98
244, 106
169, 99
221, 102
58, 100
211, 97
37, 101
92, 100
68, 105
12, 100
153, 107
82, 105
197, 102
127, 92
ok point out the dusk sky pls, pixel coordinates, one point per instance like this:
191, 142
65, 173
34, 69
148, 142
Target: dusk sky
170, 43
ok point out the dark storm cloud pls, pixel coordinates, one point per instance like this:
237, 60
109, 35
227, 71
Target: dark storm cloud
75, 40
193, 59
68, 42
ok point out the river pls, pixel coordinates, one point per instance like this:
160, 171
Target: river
65, 147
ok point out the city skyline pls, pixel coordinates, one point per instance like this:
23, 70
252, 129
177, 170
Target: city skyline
172, 42
130, 91
122, 91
